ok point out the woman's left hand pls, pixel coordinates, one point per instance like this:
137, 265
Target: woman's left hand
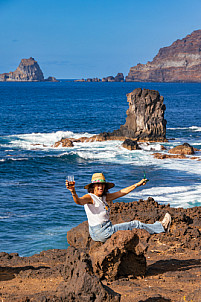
142, 182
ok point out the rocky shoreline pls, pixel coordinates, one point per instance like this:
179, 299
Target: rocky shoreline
164, 267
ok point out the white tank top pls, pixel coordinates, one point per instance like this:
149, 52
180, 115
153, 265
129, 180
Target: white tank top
98, 212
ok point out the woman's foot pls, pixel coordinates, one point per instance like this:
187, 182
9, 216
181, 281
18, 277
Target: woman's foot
166, 222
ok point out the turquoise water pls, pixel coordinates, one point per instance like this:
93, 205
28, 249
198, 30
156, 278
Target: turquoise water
36, 210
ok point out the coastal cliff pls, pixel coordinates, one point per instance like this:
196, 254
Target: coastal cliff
179, 62
27, 71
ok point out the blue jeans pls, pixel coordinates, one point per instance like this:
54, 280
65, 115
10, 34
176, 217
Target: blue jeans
102, 232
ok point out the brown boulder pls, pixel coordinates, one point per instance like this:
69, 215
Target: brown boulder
184, 149
122, 255
64, 142
164, 156
79, 237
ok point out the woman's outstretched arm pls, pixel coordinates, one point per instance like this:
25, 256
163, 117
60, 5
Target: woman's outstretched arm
125, 191
79, 200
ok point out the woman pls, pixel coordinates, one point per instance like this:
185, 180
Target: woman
97, 209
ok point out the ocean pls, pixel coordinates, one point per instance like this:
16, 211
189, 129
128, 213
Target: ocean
36, 210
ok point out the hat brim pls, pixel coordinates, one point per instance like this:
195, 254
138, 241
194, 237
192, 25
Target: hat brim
108, 184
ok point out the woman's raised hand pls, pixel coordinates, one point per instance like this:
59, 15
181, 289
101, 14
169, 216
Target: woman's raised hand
70, 186
142, 182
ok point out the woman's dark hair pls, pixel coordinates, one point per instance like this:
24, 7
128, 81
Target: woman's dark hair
91, 189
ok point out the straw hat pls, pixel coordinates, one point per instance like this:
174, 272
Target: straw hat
99, 178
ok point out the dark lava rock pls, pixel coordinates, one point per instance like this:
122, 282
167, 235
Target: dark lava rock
130, 144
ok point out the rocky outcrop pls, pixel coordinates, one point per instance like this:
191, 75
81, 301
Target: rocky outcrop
145, 122
181, 152
108, 79
120, 256
118, 78
130, 144
27, 71
64, 142
145, 117
94, 271
179, 62
51, 79
93, 80
80, 282
184, 149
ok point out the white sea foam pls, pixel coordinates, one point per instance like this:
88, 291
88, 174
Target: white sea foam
107, 151
41, 140
193, 128
177, 196
150, 146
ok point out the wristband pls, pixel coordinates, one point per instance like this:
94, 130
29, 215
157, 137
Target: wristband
74, 194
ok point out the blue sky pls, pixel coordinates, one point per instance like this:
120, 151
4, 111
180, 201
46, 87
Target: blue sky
89, 38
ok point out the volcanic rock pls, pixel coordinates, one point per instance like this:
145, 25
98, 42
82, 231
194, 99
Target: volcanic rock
145, 121
119, 77
184, 149
28, 70
81, 284
173, 262
51, 79
130, 144
64, 142
145, 117
165, 156
120, 256
108, 79
93, 80
179, 62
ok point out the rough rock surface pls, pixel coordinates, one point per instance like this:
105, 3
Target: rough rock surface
184, 149
64, 142
51, 79
80, 282
130, 144
179, 62
173, 263
145, 117
119, 78
181, 152
28, 70
120, 256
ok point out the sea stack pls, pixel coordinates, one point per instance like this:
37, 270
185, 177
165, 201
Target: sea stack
145, 117
28, 70
179, 62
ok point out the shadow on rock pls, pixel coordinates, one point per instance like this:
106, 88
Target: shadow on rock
172, 265
9, 273
156, 299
